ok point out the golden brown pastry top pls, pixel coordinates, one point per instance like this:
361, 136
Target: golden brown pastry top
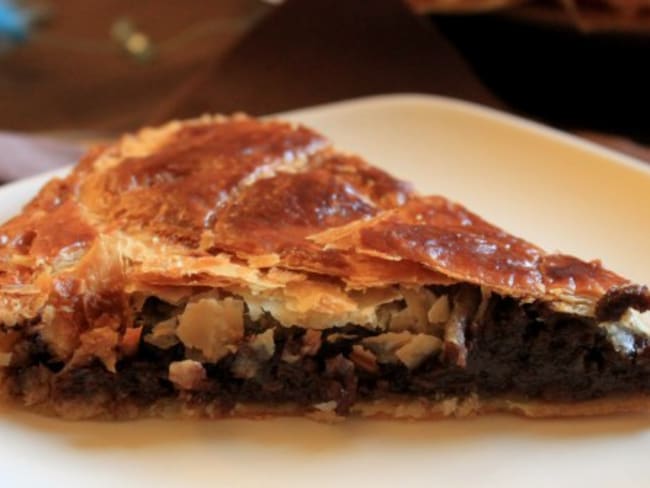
253, 205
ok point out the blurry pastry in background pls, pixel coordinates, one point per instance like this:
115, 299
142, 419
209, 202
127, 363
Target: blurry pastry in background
587, 15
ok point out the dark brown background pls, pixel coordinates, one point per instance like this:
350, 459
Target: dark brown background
264, 59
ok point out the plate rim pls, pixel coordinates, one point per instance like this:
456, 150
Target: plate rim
484, 112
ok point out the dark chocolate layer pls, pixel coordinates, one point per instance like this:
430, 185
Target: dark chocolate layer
513, 350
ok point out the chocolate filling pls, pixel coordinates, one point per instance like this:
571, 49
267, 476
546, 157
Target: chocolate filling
512, 350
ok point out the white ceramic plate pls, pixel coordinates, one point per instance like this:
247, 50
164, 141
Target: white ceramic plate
556, 190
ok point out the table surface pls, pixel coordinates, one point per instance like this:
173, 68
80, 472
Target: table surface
247, 56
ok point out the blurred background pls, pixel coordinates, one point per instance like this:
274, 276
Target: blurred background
74, 71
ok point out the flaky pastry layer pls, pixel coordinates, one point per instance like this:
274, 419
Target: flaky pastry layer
237, 218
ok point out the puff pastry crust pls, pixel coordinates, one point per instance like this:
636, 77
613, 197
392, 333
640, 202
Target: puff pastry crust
195, 239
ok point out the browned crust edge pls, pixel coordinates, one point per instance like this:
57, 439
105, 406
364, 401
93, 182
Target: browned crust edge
420, 409
396, 408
